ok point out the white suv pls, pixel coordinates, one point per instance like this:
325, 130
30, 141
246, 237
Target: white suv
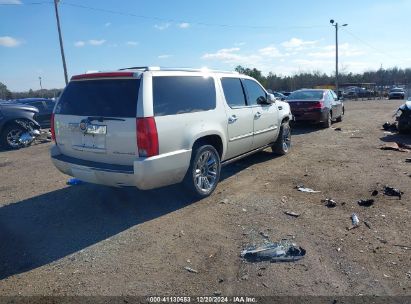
150, 127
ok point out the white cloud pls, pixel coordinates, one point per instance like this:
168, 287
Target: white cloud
107, 24
132, 43
79, 43
10, 2
270, 51
344, 50
184, 25
232, 56
162, 26
239, 43
96, 42
298, 44
164, 56
8, 41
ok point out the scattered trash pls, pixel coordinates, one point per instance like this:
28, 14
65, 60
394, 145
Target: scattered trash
390, 191
408, 160
338, 249
283, 251
337, 129
74, 181
244, 277
356, 137
244, 210
396, 146
367, 224
264, 284
189, 269
224, 201
374, 193
264, 235
389, 126
355, 220
303, 189
290, 213
366, 202
284, 199
217, 293
330, 203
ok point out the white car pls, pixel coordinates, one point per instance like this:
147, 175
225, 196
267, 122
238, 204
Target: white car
151, 127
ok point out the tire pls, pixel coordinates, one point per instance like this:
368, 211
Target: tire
340, 118
283, 143
328, 122
9, 137
203, 174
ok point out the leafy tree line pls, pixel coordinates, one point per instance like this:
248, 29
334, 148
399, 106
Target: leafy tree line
6, 94
381, 77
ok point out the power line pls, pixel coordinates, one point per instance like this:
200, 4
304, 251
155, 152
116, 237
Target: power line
170, 20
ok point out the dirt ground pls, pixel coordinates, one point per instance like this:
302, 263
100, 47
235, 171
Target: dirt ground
93, 240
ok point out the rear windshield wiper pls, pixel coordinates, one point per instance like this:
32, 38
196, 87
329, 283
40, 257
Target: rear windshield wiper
102, 118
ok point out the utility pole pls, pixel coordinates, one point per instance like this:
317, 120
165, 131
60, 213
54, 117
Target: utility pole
41, 87
63, 58
336, 54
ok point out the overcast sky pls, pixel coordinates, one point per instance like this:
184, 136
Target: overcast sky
283, 37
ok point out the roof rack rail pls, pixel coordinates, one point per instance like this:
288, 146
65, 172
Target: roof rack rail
148, 68
144, 68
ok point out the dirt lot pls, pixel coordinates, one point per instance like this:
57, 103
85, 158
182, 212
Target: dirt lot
86, 240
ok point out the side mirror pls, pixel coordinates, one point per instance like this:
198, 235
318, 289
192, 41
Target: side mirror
271, 98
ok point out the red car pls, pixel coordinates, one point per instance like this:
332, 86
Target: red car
316, 106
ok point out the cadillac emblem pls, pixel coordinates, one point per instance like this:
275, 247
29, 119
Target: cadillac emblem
83, 126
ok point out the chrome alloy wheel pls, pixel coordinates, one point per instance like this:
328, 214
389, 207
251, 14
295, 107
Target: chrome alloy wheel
206, 171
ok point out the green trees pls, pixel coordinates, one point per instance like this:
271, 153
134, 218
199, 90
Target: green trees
4, 92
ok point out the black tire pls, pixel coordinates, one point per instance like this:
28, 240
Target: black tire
327, 123
5, 137
282, 145
202, 180
340, 118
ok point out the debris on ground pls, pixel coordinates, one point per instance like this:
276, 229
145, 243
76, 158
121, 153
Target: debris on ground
189, 269
366, 202
390, 191
290, 213
355, 221
264, 235
338, 129
374, 193
330, 203
367, 224
74, 181
396, 146
224, 201
283, 251
356, 137
389, 126
304, 189
408, 160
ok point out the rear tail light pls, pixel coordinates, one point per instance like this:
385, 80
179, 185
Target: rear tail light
318, 105
53, 132
147, 137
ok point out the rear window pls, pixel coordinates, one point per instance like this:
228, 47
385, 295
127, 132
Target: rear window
183, 94
106, 97
306, 95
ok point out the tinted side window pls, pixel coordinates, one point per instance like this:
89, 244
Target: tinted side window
50, 104
233, 92
254, 92
38, 104
183, 94
106, 97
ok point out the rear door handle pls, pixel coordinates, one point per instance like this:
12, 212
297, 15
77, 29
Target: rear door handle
232, 118
280, 108
257, 115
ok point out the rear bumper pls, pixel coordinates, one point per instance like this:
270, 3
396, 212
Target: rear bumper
312, 116
145, 173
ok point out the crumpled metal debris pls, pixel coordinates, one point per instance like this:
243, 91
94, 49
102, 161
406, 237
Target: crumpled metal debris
291, 213
189, 269
396, 146
74, 181
283, 251
366, 202
304, 189
355, 220
330, 203
390, 191
388, 126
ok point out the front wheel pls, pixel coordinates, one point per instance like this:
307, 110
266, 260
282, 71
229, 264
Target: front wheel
204, 172
327, 123
283, 143
10, 137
